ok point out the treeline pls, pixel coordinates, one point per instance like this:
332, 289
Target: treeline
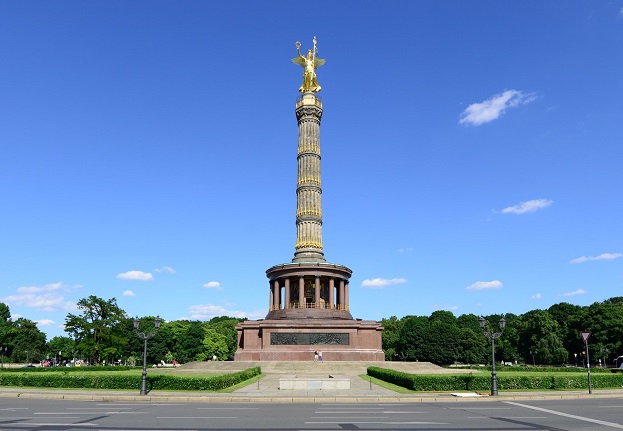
540, 337
101, 332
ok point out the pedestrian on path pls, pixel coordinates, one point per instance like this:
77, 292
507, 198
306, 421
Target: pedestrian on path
315, 356
320, 355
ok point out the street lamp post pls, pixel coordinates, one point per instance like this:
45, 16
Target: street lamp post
533, 353
492, 335
3, 350
145, 336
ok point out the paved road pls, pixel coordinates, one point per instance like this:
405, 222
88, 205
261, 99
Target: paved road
597, 414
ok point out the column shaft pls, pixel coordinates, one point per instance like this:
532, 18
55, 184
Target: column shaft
302, 292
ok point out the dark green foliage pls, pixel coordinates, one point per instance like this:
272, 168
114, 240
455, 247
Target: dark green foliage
65, 369
482, 382
553, 336
95, 327
67, 379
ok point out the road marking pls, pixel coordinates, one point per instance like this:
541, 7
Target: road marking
479, 408
567, 415
384, 422
510, 417
355, 417
58, 424
92, 408
197, 417
228, 408
89, 413
137, 404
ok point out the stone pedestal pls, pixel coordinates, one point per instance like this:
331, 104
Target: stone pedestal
298, 339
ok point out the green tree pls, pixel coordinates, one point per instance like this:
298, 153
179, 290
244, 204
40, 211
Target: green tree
474, 348
190, 342
6, 329
570, 319
214, 344
414, 336
226, 326
391, 337
605, 321
94, 327
65, 345
28, 341
537, 329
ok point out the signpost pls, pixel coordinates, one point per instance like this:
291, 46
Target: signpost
585, 335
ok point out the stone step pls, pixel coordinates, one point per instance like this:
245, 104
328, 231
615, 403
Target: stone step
344, 368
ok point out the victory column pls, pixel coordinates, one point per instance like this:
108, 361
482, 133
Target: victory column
309, 297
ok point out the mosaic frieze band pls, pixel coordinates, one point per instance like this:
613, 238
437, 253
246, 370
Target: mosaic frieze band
309, 339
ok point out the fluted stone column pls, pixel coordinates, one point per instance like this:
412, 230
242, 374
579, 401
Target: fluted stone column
277, 295
286, 302
317, 292
308, 247
301, 292
331, 293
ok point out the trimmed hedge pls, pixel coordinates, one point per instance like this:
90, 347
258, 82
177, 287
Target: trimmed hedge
539, 369
482, 382
66, 369
126, 381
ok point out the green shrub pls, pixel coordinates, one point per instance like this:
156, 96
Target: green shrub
506, 381
67, 379
65, 369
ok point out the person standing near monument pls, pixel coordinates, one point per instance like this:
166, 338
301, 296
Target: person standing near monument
320, 355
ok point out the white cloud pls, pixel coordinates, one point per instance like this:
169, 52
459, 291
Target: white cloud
449, 308
537, 296
128, 293
167, 269
213, 285
45, 322
528, 206
575, 292
485, 285
136, 275
405, 250
208, 311
603, 256
45, 298
380, 283
494, 107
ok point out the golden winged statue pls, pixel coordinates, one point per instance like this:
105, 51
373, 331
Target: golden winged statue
309, 64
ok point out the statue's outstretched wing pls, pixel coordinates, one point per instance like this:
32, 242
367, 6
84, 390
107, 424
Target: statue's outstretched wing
298, 60
318, 62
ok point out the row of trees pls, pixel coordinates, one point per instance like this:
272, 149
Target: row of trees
546, 337
101, 331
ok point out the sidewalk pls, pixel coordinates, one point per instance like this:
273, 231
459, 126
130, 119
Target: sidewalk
267, 390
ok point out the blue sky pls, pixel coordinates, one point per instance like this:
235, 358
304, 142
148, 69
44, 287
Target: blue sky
471, 154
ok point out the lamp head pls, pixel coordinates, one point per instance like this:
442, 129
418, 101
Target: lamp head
502, 323
482, 322
136, 322
157, 322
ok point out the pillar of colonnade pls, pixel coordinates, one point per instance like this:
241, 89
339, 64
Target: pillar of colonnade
338, 294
